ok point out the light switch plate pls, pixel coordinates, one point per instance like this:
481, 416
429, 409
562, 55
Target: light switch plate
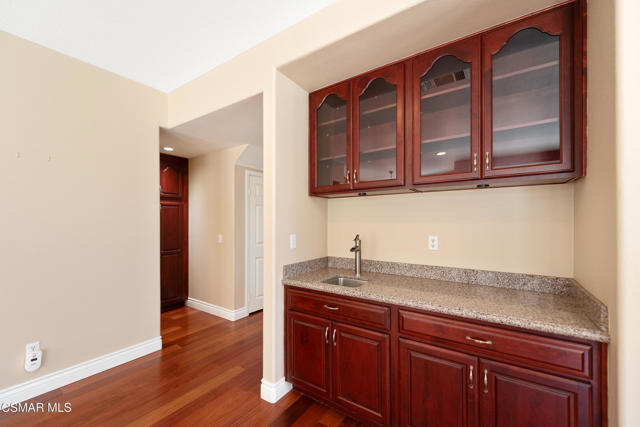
219, 238
292, 241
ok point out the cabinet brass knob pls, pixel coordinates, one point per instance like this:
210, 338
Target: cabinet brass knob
486, 382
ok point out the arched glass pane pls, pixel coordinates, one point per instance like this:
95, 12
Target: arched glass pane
526, 100
377, 131
445, 117
332, 141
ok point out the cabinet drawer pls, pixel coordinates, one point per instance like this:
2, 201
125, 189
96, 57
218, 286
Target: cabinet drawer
562, 356
338, 308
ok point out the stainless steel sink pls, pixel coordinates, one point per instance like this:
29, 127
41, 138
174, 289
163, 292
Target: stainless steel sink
345, 281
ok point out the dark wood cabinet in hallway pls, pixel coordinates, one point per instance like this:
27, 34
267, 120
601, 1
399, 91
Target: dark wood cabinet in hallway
174, 219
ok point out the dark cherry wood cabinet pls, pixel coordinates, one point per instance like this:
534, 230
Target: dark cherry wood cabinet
502, 107
528, 73
330, 139
360, 371
437, 386
174, 263
378, 128
447, 113
337, 362
390, 365
511, 395
309, 365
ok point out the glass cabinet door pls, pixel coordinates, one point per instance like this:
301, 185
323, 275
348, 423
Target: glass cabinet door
379, 128
446, 113
330, 159
527, 96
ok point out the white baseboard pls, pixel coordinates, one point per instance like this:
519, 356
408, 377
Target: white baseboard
272, 392
54, 380
216, 310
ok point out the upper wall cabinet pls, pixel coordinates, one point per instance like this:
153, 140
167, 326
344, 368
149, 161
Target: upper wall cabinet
446, 113
330, 139
527, 96
378, 128
504, 107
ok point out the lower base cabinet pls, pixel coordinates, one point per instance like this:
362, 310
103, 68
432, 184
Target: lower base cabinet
386, 365
513, 396
437, 386
342, 363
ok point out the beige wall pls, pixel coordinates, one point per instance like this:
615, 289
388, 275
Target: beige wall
519, 229
288, 209
213, 193
628, 198
595, 244
80, 266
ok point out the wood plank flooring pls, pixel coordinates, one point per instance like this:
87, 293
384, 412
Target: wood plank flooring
207, 373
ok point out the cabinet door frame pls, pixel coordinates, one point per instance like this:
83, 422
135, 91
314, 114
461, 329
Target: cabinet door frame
580, 393
324, 357
343, 90
467, 50
384, 371
556, 22
406, 347
393, 74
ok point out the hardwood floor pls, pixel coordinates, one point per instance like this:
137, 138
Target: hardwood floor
207, 373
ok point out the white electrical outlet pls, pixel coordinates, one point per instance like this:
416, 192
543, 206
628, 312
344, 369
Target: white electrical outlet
433, 243
219, 238
33, 357
292, 241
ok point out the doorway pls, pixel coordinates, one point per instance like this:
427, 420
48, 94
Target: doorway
254, 242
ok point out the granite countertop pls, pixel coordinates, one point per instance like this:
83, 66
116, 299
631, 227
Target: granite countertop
545, 312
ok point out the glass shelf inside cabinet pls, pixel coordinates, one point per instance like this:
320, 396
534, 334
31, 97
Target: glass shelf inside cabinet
377, 131
331, 141
526, 100
445, 117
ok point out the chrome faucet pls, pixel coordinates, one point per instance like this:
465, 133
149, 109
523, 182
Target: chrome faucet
357, 248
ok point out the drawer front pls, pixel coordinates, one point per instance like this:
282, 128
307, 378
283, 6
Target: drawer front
562, 356
340, 309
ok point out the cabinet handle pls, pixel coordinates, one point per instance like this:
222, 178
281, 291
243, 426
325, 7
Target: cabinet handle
326, 335
486, 160
331, 308
334, 337
486, 383
470, 376
348, 176
475, 162
475, 340
355, 176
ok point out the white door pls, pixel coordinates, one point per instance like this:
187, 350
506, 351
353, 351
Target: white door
254, 241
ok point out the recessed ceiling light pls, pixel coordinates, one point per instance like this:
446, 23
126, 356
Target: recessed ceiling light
441, 153
167, 148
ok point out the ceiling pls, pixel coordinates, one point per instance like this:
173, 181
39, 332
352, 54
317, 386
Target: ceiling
160, 43
237, 124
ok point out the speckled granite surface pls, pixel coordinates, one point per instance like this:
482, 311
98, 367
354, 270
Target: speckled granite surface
567, 313
525, 282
